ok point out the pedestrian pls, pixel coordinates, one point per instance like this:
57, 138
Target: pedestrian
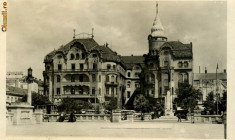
179, 117
72, 117
62, 117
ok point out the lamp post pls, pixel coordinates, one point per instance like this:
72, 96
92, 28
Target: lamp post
217, 90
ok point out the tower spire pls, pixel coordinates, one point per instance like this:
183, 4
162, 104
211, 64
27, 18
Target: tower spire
156, 7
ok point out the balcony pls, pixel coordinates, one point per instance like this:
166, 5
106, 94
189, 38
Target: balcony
111, 83
75, 96
69, 83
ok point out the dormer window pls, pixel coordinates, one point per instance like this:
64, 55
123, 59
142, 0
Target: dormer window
71, 56
185, 64
94, 55
180, 64
166, 63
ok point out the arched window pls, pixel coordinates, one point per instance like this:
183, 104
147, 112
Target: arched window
180, 78
128, 84
94, 66
71, 56
112, 78
77, 56
114, 67
185, 78
129, 74
83, 56
108, 66
93, 77
107, 78
58, 78
72, 78
152, 78
72, 90
99, 91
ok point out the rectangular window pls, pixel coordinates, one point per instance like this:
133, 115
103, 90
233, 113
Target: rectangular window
99, 78
128, 94
58, 91
81, 66
107, 91
59, 67
93, 91
73, 66
93, 78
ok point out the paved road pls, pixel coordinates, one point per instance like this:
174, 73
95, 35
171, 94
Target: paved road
149, 129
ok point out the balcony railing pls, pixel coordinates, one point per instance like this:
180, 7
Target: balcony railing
111, 83
76, 83
76, 96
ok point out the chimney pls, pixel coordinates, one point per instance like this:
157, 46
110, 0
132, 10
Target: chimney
225, 71
205, 70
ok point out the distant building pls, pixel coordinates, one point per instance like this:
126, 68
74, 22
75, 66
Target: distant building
85, 70
18, 79
206, 82
14, 94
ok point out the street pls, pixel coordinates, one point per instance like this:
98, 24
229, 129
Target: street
149, 129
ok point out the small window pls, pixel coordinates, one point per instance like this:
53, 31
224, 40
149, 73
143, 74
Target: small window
58, 78
108, 66
107, 90
128, 94
72, 78
83, 56
94, 55
77, 56
180, 64
99, 78
81, 66
93, 78
72, 90
114, 67
128, 84
166, 63
185, 64
59, 67
71, 56
94, 66
58, 91
129, 74
93, 91
107, 78
73, 66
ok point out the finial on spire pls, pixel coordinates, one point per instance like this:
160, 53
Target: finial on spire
92, 35
156, 7
74, 30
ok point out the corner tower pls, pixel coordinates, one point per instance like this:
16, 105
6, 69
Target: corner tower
157, 36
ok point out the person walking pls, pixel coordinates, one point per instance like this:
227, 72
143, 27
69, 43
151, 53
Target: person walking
72, 117
179, 117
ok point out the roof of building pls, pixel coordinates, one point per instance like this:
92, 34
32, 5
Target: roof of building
10, 90
130, 61
89, 44
179, 49
210, 76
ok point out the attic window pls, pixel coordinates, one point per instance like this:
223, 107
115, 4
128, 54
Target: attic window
94, 55
71, 56
185, 64
180, 64
59, 56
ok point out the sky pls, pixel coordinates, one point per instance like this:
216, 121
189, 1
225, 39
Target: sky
36, 28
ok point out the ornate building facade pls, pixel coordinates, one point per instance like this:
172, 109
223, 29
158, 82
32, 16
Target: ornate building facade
83, 69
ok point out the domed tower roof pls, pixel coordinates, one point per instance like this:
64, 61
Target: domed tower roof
157, 28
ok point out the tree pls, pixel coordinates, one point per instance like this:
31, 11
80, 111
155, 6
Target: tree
187, 96
67, 105
223, 103
210, 104
141, 104
112, 104
37, 99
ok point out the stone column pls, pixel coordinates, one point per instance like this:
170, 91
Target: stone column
29, 97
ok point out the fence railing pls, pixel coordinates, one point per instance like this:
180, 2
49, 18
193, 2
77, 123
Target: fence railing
79, 117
